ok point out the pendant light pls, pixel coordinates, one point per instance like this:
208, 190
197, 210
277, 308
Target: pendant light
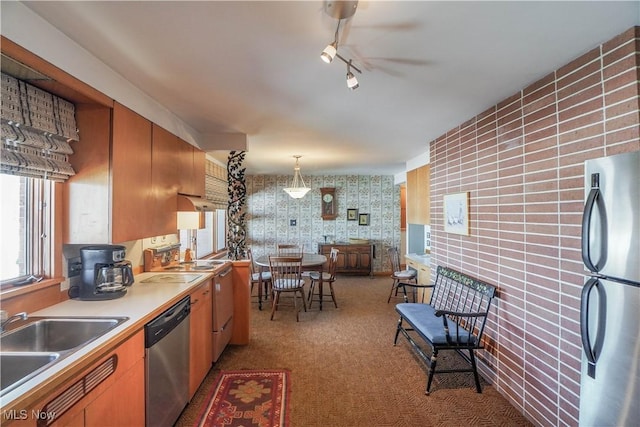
298, 188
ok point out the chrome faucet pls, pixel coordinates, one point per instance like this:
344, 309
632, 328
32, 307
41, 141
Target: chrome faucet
6, 320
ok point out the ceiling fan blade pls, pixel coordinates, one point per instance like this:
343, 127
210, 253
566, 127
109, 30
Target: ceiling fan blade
397, 26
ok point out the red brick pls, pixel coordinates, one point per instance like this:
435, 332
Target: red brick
578, 63
620, 94
626, 78
580, 85
582, 121
621, 122
580, 97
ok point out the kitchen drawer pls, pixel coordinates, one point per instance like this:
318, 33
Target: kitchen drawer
221, 338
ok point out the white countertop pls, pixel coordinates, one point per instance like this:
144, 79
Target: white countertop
421, 258
141, 303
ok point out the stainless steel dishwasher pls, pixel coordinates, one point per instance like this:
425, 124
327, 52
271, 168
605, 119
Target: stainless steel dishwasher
167, 365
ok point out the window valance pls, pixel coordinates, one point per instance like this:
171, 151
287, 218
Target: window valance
36, 130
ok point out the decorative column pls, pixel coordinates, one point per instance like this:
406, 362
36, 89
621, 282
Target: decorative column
236, 215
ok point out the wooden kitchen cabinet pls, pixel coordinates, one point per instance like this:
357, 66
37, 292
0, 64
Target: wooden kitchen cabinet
424, 277
123, 403
191, 167
110, 391
200, 341
418, 193
241, 277
86, 194
352, 258
128, 174
222, 315
110, 196
131, 176
164, 178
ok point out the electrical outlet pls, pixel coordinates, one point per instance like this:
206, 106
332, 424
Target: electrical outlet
292, 222
74, 267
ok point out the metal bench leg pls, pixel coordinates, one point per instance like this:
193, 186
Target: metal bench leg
432, 370
391, 291
475, 371
398, 328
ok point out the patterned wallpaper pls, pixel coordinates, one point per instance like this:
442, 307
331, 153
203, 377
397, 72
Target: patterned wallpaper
270, 212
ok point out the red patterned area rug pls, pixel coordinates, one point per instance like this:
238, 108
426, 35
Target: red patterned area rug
247, 398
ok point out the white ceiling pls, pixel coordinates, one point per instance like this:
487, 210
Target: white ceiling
254, 68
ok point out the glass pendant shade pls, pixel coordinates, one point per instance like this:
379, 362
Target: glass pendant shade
298, 188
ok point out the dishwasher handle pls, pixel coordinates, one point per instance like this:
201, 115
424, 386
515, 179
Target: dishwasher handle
159, 327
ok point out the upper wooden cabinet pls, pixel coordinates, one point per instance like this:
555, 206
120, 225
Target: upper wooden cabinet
165, 180
128, 174
191, 166
199, 172
131, 213
109, 198
418, 203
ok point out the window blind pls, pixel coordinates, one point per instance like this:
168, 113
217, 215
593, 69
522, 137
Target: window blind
36, 129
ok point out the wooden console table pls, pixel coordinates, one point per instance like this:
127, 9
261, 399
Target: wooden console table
353, 258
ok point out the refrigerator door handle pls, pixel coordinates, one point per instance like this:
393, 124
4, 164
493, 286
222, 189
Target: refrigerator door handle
594, 200
592, 349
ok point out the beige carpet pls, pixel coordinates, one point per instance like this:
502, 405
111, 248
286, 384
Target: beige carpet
345, 370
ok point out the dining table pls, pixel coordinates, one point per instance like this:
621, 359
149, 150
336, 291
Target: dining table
310, 262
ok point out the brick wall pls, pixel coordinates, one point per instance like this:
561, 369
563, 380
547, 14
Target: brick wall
522, 163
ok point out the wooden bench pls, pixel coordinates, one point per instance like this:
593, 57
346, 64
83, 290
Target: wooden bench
454, 319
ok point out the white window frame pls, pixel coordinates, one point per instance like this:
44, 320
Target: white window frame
34, 248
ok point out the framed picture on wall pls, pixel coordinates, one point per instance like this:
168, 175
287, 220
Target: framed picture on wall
352, 214
363, 219
456, 213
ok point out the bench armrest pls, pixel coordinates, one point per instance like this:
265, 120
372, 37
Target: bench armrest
461, 318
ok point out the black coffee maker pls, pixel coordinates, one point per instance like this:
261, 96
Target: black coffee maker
105, 273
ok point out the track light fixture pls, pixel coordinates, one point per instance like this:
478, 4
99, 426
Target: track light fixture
340, 11
352, 82
329, 52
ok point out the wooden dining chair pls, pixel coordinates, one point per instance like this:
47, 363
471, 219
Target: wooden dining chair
286, 276
290, 249
257, 277
328, 277
398, 275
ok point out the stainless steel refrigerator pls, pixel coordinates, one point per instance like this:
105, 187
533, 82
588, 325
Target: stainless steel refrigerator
610, 305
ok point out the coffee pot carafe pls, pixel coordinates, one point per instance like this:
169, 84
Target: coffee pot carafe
112, 278
105, 273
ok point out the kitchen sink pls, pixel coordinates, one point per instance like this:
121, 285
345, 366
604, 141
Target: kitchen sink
39, 342
16, 368
56, 334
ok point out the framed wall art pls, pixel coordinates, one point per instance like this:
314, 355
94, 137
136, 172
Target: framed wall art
352, 214
456, 213
363, 219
